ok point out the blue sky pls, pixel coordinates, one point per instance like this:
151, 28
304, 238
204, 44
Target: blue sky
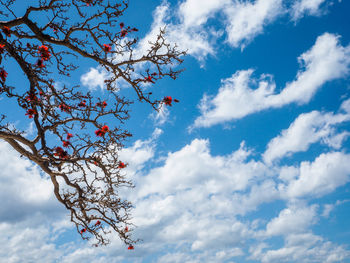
252, 165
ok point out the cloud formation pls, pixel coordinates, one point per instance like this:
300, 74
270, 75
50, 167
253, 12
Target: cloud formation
241, 94
308, 128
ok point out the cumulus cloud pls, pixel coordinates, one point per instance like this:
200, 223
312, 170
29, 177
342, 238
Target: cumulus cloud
301, 8
245, 19
294, 219
186, 35
322, 176
302, 247
307, 128
21, 183
94, 78
325, 61
198, 204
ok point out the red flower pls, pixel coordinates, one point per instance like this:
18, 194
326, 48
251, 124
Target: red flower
2, 48
64, 107
82, 104
31, 97
31, 112
54, 28
7, 31
62, 154
131, 247
121, 165
123, 33
3, 75
40, 63
69, 135
66, 144
107, 48
102, 104
121, 25
126, 229
83, 230
149, 79
99, 133
98, 223
167, 100
44, 52
105, 129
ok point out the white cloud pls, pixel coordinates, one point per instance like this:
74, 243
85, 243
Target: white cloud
245, 19
307, 128
325, 61
194, 13
303, 7
195, 203
94, 78
294, 219
303, 248
22, 184
160, 117
322, 176
187, 36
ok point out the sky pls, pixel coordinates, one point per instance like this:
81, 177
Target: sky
253, 163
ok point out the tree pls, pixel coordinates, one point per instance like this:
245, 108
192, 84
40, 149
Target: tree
74, 142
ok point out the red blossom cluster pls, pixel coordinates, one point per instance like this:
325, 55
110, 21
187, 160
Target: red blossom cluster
7, 31
67, 143
124, 31
88, 2
2, 48
126, 229
121, 165
98, 222
102, 104
3, 75
131, 247
168, 100
62, 154
31, 97
149, 79
30, 113
101, 132
40, 63
44, 52
82, 104
107, 48
64, 107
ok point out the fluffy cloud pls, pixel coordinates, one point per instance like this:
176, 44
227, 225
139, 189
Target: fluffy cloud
22, 184
325, 61
327, 172
198, 204
186, 35
246, 19
94, 78
294, 219
306, 129
303, 7
303, 247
